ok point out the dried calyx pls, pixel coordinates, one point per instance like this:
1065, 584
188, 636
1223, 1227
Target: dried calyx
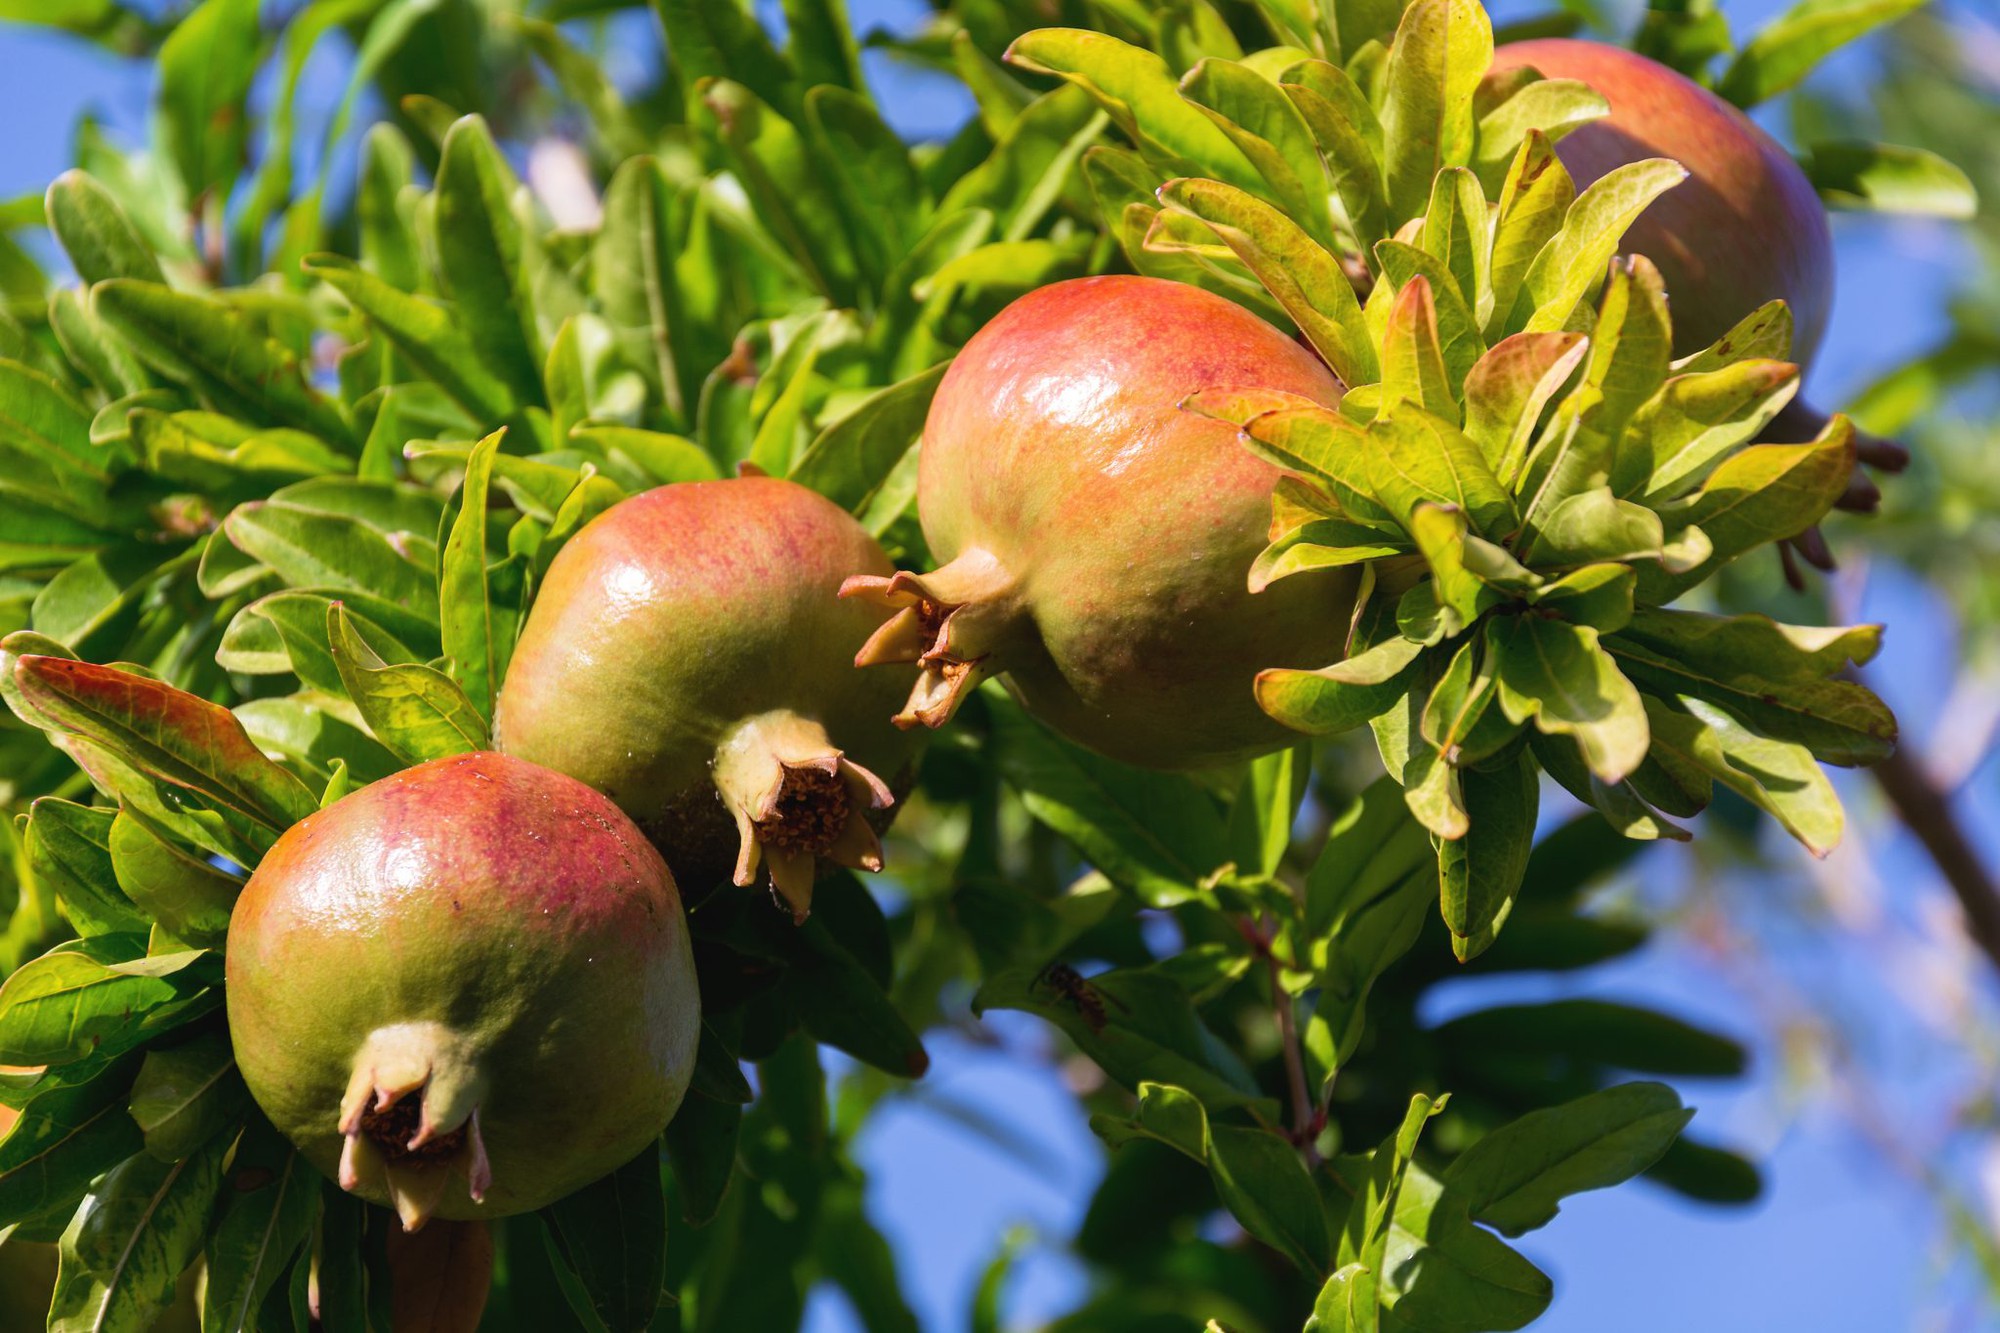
949, 623
795, 797
410, 1121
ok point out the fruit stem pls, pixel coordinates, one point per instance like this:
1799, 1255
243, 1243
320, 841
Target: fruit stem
795, 798
949, 622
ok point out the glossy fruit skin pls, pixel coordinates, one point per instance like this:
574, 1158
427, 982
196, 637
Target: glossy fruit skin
509, 904
1056, 443
1746, 227
671, 619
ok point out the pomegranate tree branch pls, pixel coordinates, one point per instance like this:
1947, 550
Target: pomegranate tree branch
1925, 809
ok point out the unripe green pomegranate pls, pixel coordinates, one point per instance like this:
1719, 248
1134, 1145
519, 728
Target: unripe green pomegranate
465, 990
689, 657
1745, 228
1097, 539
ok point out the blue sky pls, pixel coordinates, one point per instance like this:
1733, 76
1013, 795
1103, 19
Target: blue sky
1844, 1241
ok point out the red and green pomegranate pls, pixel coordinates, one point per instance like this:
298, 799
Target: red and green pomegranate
1096, 540
688, 656
465, 990
1746, 227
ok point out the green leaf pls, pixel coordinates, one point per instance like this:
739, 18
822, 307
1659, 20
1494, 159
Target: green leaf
95, 233
206, 67
1779, 57
1258, 1175
315, 548
1269, 131
1507, 389
69, 852
1155, 834
720, 39
1305, 278
612, 1238
1417, 457
1514, 1178
876, 185
1749, 671
1139, 93
1442, 50
62, 1141
1139, 1025
424, 333
1575, 258
1261, 817
1479, 873
1887, 178
418, 712
477, 623
1340, 697
189, 898
850, 461
483, 258
1552, 106
792, 195
1557, 675
1582, 1033
266, 1218
217, 350
140, 1228
184, 740
72, 1005
701, 1144
1449, 345
1697, 419
1535, 197
1349, 135
186, 1095
844, 1005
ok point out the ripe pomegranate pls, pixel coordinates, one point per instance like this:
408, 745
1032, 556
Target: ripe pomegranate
1746, 226
688, 657
1096, 538
465, 990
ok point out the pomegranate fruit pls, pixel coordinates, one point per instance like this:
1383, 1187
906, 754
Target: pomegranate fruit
688, 657
1096, 539
1746, 226
465, 990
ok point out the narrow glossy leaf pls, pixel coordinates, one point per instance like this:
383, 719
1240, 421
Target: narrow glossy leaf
1534, 199
1442, 50
63, 1140
1630, 344
1697, 419
850, 460
1418, 457
1137, 1024
1779, 778
1552, 106
1556, 675
68, 849
423, 332
1590, 526
1840, 721
1304, 277
478, 626
701, 1144
482, 256
1139, 93
1457, 239
1514, 1178
185, 740
1575, 258
1761, 494
1257, 1174
1887, 178
793, 197
1763, 334
206, 68
721, 39
1154, 834
1586, 1032
1342, 696
880, 192
1508, 388
1782, 54
846, 1006
1344, 124
103, 357
183, 893
95, 233
1479, 874
1370, 938
81, 1002
1459, 343
312, 548
216, 350
1267, 129
612, 1236
269, 1200
187, 1094
660, 457
418, 712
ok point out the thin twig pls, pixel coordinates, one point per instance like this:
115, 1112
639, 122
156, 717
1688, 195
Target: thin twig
1925, 810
